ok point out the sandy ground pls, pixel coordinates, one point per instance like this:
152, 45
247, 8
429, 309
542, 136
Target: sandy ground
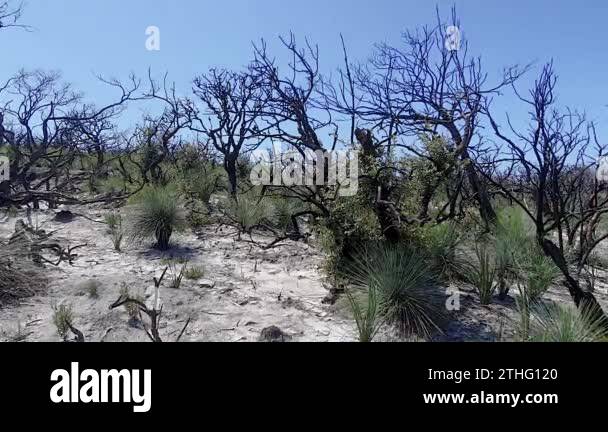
244, 290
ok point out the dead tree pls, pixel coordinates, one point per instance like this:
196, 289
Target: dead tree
551, 160
293, 118
157, 138
153, 313
232, 104
423, 88
39, 122
10, 13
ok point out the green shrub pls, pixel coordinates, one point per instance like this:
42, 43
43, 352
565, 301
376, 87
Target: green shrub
539, 273
351, 223
405, 284
157, 215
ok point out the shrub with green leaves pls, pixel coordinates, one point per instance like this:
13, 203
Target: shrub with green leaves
557, 323
405, 284
158, 214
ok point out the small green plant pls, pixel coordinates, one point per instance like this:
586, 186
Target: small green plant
177, 275
482, 274
158, 215
91, 287
247, 211
63, 315
556, 323
114, 222
368, 314
405, 284
194, 272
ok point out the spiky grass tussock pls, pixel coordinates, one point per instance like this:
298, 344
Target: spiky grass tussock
201, 184
441, 243
557, 323
63, 315
247, 211
482, 274
283, 209
194, 272
368, 312
406, 287
115, 229
513, 240
157, 214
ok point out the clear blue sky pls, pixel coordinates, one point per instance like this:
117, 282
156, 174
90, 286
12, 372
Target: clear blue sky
83, 38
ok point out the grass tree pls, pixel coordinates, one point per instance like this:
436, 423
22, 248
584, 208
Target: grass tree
405, 285
157, 214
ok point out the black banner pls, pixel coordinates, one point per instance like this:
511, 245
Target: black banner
295, 380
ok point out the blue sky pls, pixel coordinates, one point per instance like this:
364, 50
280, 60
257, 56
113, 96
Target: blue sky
83, 38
